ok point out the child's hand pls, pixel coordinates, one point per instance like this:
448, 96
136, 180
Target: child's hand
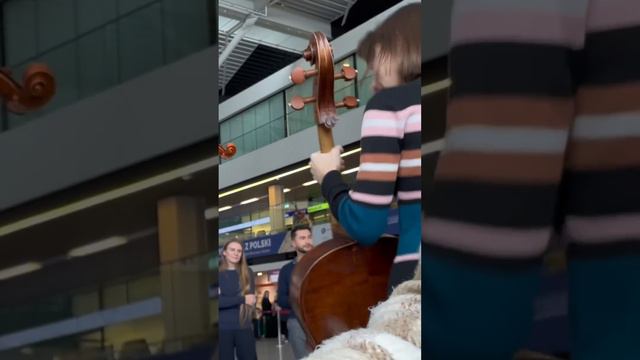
321, 163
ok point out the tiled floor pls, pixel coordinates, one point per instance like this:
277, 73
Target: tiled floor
268, 350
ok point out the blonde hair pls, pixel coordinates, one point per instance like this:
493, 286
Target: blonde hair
399, 38
245, 279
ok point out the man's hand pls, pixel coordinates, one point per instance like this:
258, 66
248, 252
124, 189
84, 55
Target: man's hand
321, 163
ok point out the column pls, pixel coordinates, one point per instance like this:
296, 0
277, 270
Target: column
276, 207
184, 275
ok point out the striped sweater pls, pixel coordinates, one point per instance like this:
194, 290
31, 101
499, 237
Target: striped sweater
390, 166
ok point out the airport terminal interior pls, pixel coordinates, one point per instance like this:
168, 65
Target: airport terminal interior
118, 203
266, 188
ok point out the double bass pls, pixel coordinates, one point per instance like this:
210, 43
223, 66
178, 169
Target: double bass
334, 285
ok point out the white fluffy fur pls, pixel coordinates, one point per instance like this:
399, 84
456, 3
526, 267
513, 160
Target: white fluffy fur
393, 332
367, 344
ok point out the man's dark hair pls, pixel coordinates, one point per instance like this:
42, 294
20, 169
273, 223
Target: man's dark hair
298, 228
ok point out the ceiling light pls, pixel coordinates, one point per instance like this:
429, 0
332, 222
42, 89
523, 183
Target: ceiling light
310, 183
98, 246
352, 170
224, 208
351, 152
260, 274
249, 201
19, 270
286, 190
277, 177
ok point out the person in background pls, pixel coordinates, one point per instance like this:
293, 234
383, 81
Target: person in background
266, 303
302, 241
236, 304
266, 313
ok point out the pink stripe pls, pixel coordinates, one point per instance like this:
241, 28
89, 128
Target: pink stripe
407, 257
517, 26
414, 126
486, 240
602, 229
410, 195
379, 114
613, 14
382, 131
371, 199
406, 113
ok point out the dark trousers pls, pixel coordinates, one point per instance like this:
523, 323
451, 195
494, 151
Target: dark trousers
241, 341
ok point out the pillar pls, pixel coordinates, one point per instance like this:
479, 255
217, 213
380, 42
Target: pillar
183, 271
276, 207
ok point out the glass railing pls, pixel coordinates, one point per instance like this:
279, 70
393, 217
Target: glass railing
271, 120
93, 45
128, 318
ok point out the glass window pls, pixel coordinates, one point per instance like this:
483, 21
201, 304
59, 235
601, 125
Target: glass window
114, 296
143, 288
235, 124
63, 63
185, 27
277, 130
249, 119
56, 23
225, 131
276, 106
101, 42
95, 13
263, 136
263, 115
249, 141
20, 30
85, 303
98, 61
141, 41
125, 6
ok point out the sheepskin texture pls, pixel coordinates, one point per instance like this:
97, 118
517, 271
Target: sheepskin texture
393, 331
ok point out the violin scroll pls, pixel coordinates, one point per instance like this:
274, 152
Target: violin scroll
38, 89
228, 151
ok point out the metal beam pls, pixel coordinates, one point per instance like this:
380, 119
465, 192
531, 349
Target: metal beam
246, 26
281, 20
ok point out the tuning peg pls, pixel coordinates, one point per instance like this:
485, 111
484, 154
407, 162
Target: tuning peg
347, 73
307, 54
349, 102
298, 102
299, 75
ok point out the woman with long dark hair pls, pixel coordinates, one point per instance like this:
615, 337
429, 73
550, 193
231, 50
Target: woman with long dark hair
236, 304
